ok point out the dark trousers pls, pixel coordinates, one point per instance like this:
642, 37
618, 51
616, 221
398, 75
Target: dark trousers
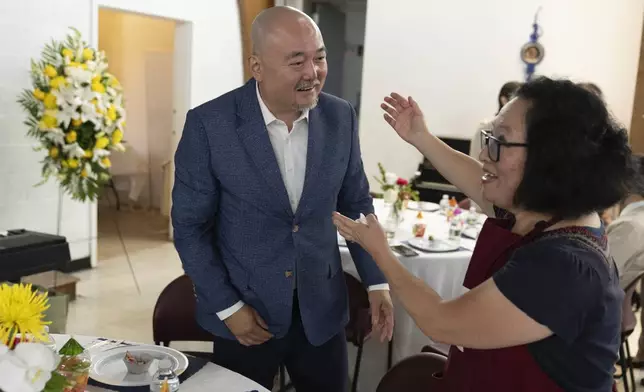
312, 369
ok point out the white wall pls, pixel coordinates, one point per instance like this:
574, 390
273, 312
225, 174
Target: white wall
27, 25
453, 57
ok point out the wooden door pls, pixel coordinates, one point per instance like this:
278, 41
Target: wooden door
637, 121
248, 10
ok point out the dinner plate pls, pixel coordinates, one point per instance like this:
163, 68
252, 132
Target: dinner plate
426, 206
436, 245
108, 366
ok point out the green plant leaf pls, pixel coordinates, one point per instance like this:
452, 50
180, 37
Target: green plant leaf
56, 383
71, 348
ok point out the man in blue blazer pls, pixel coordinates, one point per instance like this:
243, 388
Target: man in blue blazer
259, 172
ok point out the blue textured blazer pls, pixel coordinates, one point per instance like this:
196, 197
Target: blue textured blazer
234, 228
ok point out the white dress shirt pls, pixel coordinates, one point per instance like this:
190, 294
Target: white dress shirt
626, 242
290, 150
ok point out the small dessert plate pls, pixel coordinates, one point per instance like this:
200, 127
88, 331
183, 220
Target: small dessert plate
109, 368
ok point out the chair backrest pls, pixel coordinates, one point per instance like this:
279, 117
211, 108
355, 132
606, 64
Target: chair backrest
359, 315
629, 321
174, 317
420, 372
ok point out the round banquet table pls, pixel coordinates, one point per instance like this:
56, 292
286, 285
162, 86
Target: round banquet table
211, 377
443, 272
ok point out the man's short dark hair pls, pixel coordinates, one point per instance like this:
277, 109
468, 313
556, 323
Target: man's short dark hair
578, 159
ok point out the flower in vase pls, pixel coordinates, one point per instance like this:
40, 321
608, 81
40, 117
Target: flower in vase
391, 178
21, 312
28, 368
390, 196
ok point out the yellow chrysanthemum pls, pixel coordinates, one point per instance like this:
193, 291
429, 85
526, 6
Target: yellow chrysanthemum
39, 94
102, 142
84, 173
106, 162
117, 136
96, 79
53, 152
88, 154
72, 163
50, 71
88, 54
57, 82
22, 312
111, 113
98, 87
66, 52
71, 137
77, 122
50, 101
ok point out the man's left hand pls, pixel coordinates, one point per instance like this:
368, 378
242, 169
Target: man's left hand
382, 313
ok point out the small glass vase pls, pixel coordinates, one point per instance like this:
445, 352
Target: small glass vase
392, 223
75, 369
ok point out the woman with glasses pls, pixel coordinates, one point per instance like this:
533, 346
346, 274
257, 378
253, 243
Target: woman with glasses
543, 310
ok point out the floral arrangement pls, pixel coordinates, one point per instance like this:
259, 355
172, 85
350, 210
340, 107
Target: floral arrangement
26, 364
397, 191
75, 110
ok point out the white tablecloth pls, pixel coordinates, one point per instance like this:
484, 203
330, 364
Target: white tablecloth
210, 378
443, 272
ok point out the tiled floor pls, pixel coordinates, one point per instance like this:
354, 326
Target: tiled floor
116, 299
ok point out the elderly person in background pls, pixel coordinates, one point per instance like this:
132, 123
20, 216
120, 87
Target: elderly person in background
543, 310
626, 241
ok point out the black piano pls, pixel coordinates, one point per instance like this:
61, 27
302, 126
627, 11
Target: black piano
24, 253
430, 184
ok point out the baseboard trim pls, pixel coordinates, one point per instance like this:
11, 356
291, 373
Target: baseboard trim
78, 265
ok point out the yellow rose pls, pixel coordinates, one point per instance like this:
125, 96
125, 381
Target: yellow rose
111, 113
77, 122
50, 71
88, 154
49, 121
117, 136
66, 52
106, 162
53, 152
102, 142
84, 173
73, 163
71, 137
39, 95
57, 82
88, 54
50, 101
98, 87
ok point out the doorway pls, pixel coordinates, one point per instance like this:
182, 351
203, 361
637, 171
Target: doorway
144, 54
637, 121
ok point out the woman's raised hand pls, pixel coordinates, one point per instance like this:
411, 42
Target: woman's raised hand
404, 116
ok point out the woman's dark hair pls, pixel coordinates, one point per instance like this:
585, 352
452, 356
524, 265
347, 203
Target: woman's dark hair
637, 187
593, 88
508, 91
578, 159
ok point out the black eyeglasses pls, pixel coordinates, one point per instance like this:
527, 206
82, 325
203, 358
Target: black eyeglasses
493, 145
